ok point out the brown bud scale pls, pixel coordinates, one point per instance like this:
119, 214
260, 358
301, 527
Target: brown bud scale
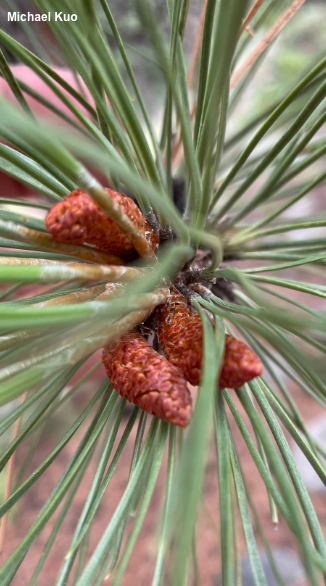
147, 379
78, 219
180, 333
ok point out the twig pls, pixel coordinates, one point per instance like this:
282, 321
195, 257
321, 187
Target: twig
268, 38
9, 479
39, 239
114, 211
255, 7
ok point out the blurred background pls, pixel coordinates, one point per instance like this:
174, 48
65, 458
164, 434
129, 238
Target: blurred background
290, 54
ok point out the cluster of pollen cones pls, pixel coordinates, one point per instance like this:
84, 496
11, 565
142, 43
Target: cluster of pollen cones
155, 383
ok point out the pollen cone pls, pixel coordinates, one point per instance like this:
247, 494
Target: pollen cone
77, 219
147, 379
180, 333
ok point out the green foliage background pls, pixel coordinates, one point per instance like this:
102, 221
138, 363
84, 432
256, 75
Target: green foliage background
249, 155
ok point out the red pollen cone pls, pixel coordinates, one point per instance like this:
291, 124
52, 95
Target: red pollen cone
180, 333
147, 379
78, 219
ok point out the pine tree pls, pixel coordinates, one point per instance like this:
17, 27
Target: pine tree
179, 256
